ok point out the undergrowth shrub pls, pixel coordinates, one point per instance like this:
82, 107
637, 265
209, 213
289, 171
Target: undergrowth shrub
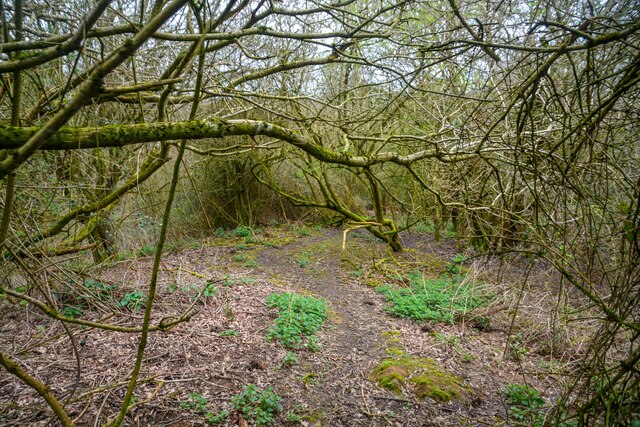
260, 407
198, 403
300, 317
442, 299
527, 407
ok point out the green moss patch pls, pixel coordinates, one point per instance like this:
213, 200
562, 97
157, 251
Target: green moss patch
393, 347
439, 385
421, 375
390, 376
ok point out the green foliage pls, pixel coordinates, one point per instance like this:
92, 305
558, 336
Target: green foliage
210, 290
455, 266
242, 231
468, 357
427, 227
517, 349
440, 300
292, 417
310, 378
197, 402
290, 359
146, 250
218, 418
448, 339
251, 263
229, 333
76, 298
261, 407
72, 311
247, 260
240, 257
357, 272
133, 300
304, 258
300, 317
313, 344
525, 404
301, 231
98, 290
232, 281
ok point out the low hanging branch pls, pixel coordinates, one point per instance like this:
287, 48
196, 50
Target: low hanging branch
69, 138
44, 391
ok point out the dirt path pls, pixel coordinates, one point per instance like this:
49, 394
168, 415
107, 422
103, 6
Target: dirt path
356, 342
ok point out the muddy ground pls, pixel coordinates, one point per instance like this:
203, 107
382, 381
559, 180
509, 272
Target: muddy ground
223, 346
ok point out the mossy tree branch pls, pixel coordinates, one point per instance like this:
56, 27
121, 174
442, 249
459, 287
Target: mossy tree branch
164, 325
69, 138
87, 90
333, 202
14, 368
57, 51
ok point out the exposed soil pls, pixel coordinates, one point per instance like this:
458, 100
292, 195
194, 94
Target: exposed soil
223, 346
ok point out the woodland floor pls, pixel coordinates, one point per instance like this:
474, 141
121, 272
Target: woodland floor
223, 347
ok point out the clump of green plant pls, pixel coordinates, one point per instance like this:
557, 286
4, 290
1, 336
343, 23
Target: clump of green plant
301, 231
516, 349
455, 265
98, 290
229, 333
261, 407
309, 379
195, 401
290, 359
440, 300
525, 403
357, 272
146, 250
250, 263
247, 260
240, 257
242, 231
71, 311
313, 344
216, 418
76, 297
300, 317
304, 258
134, 300
210, 290
198, 402
422, 227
